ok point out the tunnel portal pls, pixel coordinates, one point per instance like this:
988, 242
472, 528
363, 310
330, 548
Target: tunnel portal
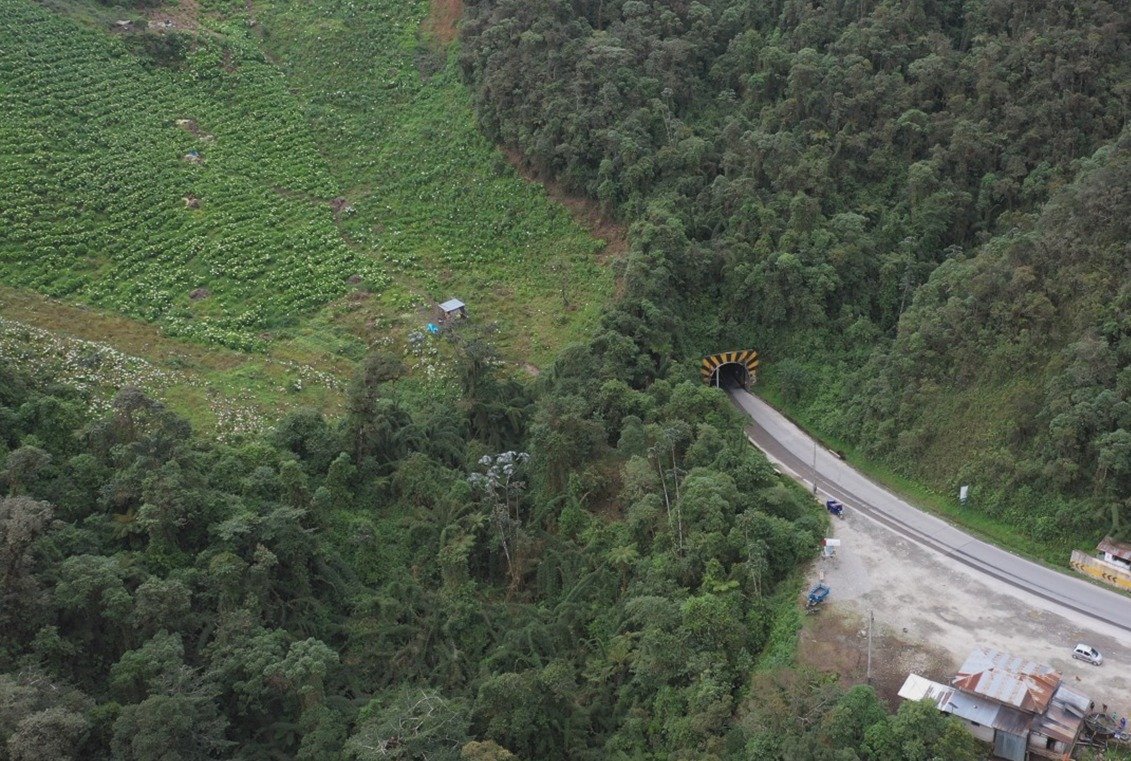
730, 369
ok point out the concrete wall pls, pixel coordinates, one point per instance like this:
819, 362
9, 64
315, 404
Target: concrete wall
1098, 569
981, 731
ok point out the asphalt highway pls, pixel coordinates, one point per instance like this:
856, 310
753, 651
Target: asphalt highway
793, 451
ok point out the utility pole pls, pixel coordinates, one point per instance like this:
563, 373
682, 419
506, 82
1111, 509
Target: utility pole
871, 618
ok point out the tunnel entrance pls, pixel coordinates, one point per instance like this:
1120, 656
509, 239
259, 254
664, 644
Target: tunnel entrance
731, 375
730, 369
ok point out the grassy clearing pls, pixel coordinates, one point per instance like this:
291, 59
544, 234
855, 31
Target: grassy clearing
221, 390
295, 190
781, 650
946, 506
436, 204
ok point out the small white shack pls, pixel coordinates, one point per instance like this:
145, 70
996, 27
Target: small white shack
1111, 564
1118, 554
453, 308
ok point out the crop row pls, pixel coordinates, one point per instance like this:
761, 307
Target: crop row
131, 185
430, 192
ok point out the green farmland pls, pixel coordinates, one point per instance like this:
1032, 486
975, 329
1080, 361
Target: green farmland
291, 188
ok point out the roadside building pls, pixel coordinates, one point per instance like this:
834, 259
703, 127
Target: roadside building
1111, 564
1018, 706
1118, 554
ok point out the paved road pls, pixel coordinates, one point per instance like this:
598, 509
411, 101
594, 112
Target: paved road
794, 451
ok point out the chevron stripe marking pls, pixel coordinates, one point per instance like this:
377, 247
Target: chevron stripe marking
711, 363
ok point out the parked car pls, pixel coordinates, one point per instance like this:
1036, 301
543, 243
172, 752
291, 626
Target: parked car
1089, 654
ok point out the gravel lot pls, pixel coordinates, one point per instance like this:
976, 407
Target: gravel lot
930, 612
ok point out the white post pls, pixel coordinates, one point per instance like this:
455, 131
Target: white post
871, 618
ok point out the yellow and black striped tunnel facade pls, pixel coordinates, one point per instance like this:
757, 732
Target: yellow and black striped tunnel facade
711, 364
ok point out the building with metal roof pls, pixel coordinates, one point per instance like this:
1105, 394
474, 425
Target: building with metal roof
1017, 705
1008, 679
1111, 563
1116, 553
1055, 731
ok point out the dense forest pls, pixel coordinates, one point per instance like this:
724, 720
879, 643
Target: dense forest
917, 211
403, 583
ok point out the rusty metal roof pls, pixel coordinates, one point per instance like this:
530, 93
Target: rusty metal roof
1009, 680
1065, 716
1119, 549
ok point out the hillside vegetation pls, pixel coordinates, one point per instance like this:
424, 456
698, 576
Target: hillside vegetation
240, 183
592, 563
401, 584
131, 184
915, 210
1032, 332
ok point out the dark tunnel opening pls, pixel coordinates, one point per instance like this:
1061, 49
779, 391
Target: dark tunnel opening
731, 375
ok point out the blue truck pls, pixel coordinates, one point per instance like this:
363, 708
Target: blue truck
817, 595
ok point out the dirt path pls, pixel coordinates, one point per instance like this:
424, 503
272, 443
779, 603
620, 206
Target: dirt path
443, 20
585, 211
184, 16
930, 612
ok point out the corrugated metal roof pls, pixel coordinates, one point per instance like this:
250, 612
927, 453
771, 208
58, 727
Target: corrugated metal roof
1119, 549
1014, 681
1065, 715
987, 713
916, 687
972, 708
452, 305
1059, 722
1078, 701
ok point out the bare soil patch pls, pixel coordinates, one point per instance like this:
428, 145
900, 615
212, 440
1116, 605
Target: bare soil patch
836, 640
183, 15
585, 211
442, 22
190, 126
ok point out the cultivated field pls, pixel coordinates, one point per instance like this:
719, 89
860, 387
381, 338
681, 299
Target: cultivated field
291, 183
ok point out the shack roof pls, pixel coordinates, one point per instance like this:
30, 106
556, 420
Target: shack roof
1112, 547
987, 713
1077, 701
1009, 680
1065, 717
452, 305
916, 687
970, 707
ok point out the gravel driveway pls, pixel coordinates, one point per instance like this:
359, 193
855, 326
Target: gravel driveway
929, 607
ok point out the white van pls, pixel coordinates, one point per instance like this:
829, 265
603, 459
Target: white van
1089, 654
